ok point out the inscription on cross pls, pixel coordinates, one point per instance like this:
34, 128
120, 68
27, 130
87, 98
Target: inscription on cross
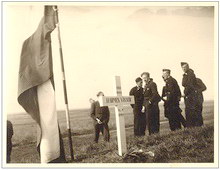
118, 101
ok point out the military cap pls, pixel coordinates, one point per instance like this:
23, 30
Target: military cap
183, 63
99, 93
145, 73
166, 70
138, 79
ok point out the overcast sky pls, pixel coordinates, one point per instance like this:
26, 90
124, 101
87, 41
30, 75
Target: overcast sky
102, 42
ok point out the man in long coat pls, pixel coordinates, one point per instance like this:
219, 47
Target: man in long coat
189, 83
151, 100
100, 116
171, 96
139, 116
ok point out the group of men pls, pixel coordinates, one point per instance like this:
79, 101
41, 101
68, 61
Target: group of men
146, 108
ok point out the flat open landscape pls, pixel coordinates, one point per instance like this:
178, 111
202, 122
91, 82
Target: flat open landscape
189, 145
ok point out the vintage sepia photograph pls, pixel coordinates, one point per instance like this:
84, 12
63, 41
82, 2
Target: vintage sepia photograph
110, 84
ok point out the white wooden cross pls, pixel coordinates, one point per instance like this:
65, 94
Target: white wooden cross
118, 101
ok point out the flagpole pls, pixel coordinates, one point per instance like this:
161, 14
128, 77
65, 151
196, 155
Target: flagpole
64, 84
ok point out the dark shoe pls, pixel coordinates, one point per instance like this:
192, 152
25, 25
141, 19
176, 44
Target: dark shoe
142, 134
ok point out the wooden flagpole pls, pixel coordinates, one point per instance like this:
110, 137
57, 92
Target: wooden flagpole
64, 84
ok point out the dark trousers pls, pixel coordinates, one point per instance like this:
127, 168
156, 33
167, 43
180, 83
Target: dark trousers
173, 113
139, 122
200, 108
191, 117
182, 119
174, 124
102, 128
200, 118
193, 111
9, 149
153, 117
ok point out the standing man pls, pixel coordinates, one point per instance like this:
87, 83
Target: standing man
151, 100
10, 133
139, 117
190, 95
200, 88
171, 96
100, 115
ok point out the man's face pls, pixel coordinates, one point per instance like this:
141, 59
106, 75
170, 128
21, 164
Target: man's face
185, 68
101, 95
165, 75
145, 77
139, 84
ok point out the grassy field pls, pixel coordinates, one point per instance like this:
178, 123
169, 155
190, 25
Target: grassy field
180, 146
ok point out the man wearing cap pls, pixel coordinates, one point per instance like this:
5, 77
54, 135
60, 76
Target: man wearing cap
100, 115
139, 117
151, 100
171, 96
190, 95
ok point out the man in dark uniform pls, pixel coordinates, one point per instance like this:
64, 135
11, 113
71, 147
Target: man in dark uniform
10, 133
139, 117
171, 96
190, 95
151, 100
100, 115
200, 88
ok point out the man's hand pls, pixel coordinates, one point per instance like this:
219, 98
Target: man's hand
165, 98
99, 121
143, 109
